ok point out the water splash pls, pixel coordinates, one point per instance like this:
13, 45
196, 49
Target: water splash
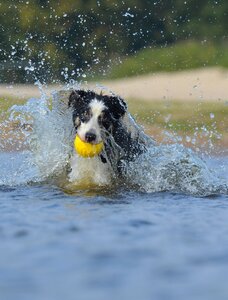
50, 135
173, 168
46, 124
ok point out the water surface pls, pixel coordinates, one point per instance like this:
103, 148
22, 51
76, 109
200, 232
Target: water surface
120, 244
160, 234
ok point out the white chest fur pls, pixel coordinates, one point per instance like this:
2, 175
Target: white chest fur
89, 170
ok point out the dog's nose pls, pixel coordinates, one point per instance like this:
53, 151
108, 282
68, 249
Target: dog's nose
90, 137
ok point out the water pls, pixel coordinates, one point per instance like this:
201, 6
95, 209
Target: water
160, 234
111, 245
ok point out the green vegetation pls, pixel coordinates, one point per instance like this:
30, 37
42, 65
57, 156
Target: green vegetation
57, 40
169, 115
7, 102
201, 123
180, 56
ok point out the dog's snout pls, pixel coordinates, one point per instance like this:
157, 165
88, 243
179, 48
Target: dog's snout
90, 137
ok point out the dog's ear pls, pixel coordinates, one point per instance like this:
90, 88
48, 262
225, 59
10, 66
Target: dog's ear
116, 105
79, 97
74, 98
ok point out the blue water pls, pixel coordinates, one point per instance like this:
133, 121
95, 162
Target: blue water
119, 244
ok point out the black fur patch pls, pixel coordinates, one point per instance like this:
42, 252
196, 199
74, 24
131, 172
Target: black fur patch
80, 99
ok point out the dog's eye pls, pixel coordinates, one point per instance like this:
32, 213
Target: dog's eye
104, 120
100, 118
85, 117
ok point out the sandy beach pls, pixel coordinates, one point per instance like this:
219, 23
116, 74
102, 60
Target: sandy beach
208, 84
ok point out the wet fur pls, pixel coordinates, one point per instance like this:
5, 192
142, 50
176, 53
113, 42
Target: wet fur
119, 144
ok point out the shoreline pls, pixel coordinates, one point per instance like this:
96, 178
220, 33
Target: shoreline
199, 85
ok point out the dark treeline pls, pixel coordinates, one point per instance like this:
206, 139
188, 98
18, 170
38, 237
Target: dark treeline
58, 39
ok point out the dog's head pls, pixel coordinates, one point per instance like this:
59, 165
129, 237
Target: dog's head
94, 115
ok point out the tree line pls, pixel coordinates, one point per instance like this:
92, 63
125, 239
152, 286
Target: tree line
55, 40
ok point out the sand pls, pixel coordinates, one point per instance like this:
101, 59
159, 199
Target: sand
208, 84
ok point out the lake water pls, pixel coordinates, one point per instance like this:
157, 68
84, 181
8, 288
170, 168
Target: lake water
117, 244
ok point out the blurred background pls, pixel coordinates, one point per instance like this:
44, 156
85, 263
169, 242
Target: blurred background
169, 55
56, 40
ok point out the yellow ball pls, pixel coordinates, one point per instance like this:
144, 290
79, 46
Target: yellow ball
87, 149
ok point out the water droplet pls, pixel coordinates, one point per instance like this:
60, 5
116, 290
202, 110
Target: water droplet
128, 15
212, 115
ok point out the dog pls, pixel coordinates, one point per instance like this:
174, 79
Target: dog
104, 118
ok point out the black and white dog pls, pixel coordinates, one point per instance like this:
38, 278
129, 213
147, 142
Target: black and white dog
98, 117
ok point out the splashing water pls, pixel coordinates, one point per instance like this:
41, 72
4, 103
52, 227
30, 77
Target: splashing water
51, 132
173, 168
47, 127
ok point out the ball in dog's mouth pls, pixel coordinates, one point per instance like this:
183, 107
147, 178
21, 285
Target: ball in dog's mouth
85, 149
